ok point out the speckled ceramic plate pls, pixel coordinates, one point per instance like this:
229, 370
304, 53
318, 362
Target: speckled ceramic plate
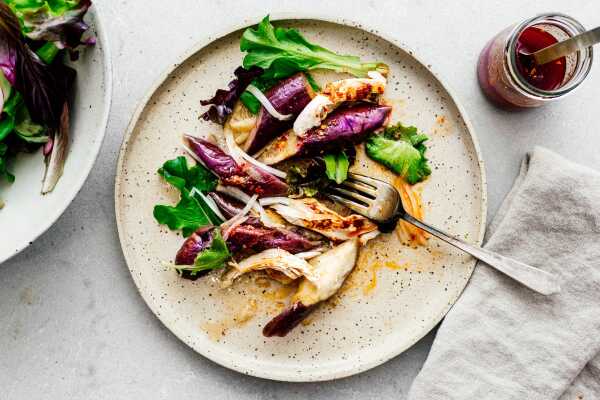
397, 293
27, 214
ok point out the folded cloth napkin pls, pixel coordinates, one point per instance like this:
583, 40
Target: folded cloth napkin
502, 340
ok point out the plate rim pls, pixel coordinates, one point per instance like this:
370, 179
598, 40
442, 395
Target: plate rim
95, 150
205, 41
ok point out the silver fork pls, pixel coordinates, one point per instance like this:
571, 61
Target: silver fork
380, 202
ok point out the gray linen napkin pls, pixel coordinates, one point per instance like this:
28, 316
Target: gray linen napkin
503, 341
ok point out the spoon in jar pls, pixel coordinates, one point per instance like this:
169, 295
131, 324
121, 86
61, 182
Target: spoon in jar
566, 47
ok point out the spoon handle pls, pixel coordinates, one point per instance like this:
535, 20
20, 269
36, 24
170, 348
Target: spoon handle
561, 49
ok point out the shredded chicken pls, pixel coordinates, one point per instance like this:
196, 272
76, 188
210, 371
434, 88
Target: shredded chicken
336, 93
272, 259
311, 214
332, 268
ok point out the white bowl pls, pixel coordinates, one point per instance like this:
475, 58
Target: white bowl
27, 213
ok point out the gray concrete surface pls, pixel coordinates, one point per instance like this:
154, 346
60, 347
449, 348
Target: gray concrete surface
73, 325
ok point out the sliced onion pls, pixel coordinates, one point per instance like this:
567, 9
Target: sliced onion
243, 197
238, 155
234, 192
249, 205
209, 202
240, 218
232, 147
267, 104
267, 201
257, 207
233, 225
308, 254
312, 115
274, 171
241, 214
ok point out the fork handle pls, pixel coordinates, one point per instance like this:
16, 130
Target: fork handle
534, 278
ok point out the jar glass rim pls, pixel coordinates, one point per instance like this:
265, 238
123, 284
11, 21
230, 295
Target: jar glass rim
584, 59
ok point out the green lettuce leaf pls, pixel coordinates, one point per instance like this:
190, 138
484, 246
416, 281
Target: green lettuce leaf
213, 257
187, 215
177, 173
191, 212
336, 167
56, 22
9, 112
26, 129
16, 118
401, 149
281, 52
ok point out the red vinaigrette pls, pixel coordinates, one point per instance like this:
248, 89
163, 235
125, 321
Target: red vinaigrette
548, 76
511, 79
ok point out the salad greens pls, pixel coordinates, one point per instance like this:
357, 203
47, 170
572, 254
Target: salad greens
221, 104
402, 149
282, 52
35, 84
336, 167
248, 98
191, 212
178, 174
17, 120
210, 258
58, 23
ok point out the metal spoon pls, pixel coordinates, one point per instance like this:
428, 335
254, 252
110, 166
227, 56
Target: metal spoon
566, 47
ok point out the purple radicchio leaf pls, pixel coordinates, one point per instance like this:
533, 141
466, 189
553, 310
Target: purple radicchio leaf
56, 153
194, 244
10, 35
247, 177
289, 96
221, 105
287, 320
8, 61
64, 30
255, 237
45, 88
228, 206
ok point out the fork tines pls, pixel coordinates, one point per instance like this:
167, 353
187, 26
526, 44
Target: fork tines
356, 193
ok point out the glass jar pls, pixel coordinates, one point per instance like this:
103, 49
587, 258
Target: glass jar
501, 75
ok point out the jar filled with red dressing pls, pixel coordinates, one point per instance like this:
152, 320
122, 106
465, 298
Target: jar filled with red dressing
511, 79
